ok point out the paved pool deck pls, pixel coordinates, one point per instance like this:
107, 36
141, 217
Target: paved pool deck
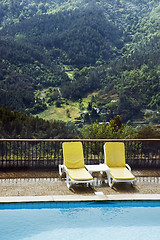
42, 186
80, 198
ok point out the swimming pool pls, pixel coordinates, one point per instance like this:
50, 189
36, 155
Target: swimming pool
84, 220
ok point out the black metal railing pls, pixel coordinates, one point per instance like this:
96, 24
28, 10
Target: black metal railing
47, 153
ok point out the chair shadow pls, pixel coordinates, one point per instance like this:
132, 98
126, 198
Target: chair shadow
82, 189
101, 184
125, 188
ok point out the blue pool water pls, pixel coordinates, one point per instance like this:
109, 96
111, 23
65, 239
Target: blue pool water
81, 221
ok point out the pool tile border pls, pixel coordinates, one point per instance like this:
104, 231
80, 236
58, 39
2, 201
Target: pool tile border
79, 198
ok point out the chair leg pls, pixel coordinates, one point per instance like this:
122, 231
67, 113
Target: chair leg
110, 181
92, 185
68, 181
60, 170
133, 183
69, 184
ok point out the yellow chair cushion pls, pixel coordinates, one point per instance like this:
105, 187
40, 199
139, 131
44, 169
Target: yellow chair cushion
79, 174
121, 174
73, 155
115, 154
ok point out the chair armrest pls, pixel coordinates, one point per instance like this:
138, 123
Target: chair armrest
65, 168
127, 166
62, 169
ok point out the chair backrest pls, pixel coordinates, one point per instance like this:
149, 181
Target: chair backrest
114, 153
73, 155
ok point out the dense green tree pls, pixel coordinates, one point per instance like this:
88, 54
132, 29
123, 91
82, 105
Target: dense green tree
114, 130
148, 132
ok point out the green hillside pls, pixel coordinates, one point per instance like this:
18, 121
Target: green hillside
15, 124
51, 51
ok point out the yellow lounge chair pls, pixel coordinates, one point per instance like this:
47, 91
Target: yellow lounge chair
73, 164
118, 170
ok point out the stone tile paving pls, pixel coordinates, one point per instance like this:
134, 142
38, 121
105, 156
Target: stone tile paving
41, 183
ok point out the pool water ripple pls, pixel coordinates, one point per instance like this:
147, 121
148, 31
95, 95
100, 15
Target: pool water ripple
120, 220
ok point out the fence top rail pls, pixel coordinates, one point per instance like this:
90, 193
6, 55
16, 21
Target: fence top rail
79, 140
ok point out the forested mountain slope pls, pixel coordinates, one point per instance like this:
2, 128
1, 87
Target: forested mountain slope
79, 46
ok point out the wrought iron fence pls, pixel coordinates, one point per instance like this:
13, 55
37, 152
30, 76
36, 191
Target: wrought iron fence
47, 153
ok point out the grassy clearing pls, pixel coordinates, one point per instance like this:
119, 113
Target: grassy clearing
54, 113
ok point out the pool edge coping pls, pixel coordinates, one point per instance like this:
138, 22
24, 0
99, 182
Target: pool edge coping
79, 198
